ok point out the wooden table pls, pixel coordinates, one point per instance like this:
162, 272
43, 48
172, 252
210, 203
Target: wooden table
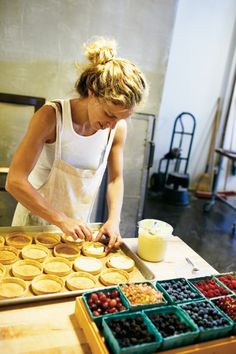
51, 328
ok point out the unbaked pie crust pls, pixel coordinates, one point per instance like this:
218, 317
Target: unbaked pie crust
2, 240
80, 281
47, 284
47, 239
35, 252
2, 270
8, 254
120, 261
67, 251
71, 241
27, 269
94, 249
18, 239
88, 264
57, 266
12, 287
113, 276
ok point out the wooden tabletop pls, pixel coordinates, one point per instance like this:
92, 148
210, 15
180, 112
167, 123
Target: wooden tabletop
51, 328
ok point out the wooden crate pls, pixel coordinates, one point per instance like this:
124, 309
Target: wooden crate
97, 344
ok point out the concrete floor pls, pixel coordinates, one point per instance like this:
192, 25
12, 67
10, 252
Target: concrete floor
209, 234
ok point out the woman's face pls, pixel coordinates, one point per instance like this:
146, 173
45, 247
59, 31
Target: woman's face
102, 114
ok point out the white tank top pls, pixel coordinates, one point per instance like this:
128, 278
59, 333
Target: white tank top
84, 152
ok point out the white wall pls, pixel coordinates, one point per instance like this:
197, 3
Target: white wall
40, 41
195, 74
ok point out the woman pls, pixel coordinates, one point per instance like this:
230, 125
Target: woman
58, 167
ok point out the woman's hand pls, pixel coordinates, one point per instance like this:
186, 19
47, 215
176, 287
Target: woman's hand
111, 231
75, 228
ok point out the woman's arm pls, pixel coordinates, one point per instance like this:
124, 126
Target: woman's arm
41, 130
115, 188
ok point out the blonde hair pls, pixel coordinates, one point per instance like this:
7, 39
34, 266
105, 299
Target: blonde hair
109, 77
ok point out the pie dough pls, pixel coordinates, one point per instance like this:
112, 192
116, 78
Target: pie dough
57, 266
80, 281
27, 269
94, 249
12, 287
8, 254
88, 264
67, 251
113, 276
18, 239
120, 261
71, 241
48, 239
2, 270
47, 284
35, 252
2, 240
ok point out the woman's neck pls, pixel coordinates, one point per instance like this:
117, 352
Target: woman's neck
79, 113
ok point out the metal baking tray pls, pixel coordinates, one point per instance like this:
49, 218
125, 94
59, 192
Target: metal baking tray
141, 271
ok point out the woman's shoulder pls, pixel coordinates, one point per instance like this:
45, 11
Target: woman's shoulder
121, 126
120, 132
44, 123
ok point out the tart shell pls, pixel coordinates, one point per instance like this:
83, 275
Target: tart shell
68, 239
67, 251
88, 264
35, 252
18, 239
27, 269
88, 246
112, 276
47, 239
58, 266
121, 262
47, 284
2, 240
80, 281
8, 254
12, 287
2, 270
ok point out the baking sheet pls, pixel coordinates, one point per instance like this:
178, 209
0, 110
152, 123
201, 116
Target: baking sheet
141, 271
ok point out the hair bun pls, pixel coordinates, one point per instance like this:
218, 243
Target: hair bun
100, 51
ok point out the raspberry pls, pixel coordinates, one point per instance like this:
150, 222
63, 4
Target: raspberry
210, 293
233, 282
216, 292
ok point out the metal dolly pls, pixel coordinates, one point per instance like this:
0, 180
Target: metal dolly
208, 206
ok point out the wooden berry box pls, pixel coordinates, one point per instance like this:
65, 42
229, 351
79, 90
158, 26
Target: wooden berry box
97, 343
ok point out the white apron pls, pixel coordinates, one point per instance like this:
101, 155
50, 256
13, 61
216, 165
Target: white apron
68, 189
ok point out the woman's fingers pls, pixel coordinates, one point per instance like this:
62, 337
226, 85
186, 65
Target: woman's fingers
77, 229
118, 242
88, 233
84, 232
99, 236
114, 242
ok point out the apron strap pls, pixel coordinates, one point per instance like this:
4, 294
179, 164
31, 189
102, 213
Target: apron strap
58, 129
109, 143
